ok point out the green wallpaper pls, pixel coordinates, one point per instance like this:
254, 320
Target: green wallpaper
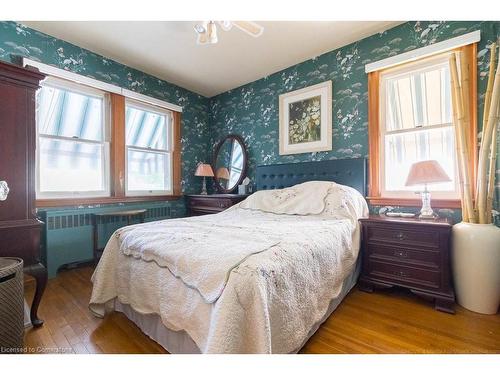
252, 110
18, 40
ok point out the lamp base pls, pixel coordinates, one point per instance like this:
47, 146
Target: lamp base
427, 216
204, 187
426, 212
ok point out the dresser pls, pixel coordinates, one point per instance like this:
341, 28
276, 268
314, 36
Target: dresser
198, 204
19, 227
409, 253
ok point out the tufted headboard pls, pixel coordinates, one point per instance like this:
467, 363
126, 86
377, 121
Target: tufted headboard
350, 172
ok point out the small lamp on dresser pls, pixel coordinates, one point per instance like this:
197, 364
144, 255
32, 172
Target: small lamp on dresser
423, 173
204, 170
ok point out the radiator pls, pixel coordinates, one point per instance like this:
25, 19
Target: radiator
67, 236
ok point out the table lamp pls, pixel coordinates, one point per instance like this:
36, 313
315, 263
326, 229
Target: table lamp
222, 173
423, 173
204, 170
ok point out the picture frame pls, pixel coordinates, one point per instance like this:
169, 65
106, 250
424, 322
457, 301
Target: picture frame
305, 120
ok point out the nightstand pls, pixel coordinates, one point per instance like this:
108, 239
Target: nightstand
409, 253
198, 204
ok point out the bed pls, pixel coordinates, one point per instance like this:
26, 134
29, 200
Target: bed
259, 277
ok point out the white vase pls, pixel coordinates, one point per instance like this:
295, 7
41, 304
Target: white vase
476, 266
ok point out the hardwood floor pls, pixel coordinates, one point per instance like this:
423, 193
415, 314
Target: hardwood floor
383, 322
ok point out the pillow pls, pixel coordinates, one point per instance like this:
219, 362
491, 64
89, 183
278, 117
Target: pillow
345, 202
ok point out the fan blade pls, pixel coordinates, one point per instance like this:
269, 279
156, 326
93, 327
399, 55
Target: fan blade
202, 39
226, 25
249, 27
211, 32
200, 29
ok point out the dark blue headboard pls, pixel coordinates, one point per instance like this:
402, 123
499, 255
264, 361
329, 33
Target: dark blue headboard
350, 172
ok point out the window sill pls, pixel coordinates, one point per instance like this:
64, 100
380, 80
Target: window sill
413, 202
45, 203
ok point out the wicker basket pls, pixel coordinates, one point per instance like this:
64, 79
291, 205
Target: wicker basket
11, 305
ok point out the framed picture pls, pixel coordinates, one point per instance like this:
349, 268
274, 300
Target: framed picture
306, 119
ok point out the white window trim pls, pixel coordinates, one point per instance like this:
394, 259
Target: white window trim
395, 72
427, 51
65, 85
168, 151
94, 83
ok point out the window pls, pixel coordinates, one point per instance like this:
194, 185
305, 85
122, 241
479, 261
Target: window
148, 150
98, 143
72, 147
416, 124
411, 119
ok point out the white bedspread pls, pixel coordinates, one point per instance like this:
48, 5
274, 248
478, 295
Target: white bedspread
271, 298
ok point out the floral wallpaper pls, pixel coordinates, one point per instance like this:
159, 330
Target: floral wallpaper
17, 41
252, 110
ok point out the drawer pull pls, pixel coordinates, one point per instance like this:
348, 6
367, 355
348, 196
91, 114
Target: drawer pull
400, 253
400, 236
401, 273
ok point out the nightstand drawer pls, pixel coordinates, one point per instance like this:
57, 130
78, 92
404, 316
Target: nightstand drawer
198, 204
402, 254
403, 275
403, 236
215, 203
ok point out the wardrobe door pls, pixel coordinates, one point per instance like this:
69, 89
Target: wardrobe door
19, 227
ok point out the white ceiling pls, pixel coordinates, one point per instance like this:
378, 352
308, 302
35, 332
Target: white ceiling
168, 50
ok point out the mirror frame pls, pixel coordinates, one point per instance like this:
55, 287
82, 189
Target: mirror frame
240, 140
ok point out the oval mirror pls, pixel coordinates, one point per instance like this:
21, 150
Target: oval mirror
229, 163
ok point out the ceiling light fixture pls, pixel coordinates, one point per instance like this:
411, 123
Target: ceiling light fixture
207, 30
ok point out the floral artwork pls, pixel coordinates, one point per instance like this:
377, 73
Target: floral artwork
305, 121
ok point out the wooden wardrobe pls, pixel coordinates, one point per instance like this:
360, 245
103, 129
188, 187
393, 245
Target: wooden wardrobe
19, 226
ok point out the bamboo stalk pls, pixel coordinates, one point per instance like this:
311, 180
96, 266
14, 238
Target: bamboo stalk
457, 143
489, 88
465, 90
484, 150
465, 100
462, 154
494, 142
492, 174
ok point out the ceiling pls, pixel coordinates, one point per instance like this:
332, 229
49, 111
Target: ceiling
168, 50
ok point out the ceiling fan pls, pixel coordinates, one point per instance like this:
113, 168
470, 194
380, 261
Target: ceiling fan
207, 30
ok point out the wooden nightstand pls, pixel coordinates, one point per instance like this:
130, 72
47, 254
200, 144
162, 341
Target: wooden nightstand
410, 253
198, 204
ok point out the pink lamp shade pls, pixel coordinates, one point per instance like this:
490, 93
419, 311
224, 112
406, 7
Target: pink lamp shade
204, 170
426, 172
222, 173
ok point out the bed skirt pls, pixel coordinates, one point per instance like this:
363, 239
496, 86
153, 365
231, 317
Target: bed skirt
179, 342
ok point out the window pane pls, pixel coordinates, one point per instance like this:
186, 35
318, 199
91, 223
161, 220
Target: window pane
146, 129
70, 166
419, 98
148, 171
402, 150
69, 114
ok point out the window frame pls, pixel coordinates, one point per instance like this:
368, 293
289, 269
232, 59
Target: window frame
168, 151
62, 84
117, 163
376, 194
420, 65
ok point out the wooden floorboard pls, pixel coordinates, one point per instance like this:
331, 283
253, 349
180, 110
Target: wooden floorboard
389, 321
